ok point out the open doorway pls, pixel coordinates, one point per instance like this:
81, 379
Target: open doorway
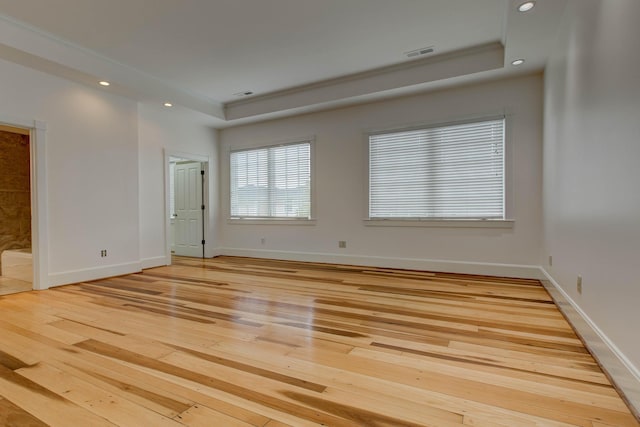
16, 260
187, 204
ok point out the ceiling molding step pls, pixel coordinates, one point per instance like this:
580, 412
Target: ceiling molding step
432, 69
35, 49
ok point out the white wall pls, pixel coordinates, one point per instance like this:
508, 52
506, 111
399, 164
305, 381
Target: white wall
340, 182
105, 171
591, 174
92, 165
176, 130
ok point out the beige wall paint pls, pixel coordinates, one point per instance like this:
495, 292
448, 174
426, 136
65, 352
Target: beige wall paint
340, 179
175, 130
591, 174
92, 170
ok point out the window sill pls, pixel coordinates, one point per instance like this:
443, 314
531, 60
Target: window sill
271, 221
450, 223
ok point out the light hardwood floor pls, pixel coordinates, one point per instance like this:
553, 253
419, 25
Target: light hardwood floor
244, 342
9, 285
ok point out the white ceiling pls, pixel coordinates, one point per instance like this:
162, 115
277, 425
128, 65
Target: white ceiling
295, 55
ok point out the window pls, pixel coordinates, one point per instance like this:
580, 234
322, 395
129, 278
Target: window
271, 182
446, 172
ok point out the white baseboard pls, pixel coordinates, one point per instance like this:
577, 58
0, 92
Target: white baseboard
157, 261
618, 367
487, 269
86, 274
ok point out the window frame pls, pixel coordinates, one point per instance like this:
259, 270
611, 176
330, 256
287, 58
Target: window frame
505, 222
274, 220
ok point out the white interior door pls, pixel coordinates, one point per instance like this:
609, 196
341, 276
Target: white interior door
188, 209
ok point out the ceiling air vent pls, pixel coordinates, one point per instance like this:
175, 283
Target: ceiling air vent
240, 94
419, 52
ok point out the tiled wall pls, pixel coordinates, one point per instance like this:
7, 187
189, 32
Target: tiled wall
15, 201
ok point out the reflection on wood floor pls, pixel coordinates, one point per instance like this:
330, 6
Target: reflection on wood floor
244, 342
9, 285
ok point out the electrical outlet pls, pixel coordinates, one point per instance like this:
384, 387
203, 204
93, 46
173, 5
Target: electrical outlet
342, 244
103, 253
579, 285
550, 261
263, 240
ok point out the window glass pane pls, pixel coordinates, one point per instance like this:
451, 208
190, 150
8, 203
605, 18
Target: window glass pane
454, 171
272, 182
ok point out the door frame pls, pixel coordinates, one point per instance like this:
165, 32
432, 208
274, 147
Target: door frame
39, 225
168, 154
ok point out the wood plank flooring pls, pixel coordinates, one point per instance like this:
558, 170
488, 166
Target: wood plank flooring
246, 342
9, 285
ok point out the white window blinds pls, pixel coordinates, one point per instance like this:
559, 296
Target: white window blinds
271, 182
447, 172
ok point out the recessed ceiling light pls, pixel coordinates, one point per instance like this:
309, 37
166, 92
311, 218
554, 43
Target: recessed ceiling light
104, 83
168, 104
517, 62
526, 6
